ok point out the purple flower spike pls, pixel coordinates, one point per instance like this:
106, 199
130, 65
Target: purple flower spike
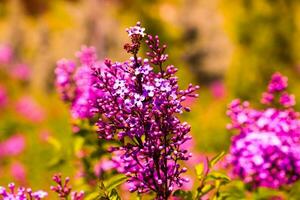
266, 150
136, 103
139, 108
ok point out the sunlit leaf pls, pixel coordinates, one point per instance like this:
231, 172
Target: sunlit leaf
219, 176
114, 195
206, 189
54, 142
78, 143
93, 196
115, 181
199, 170
216, 159
184, 195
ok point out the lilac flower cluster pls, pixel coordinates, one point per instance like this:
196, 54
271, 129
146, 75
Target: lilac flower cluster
139, 107
75, 84
64, 190
266, 151
20, 193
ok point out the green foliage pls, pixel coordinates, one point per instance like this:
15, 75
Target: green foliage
216, 159
209, 179
200, 171
115, 181
107, 189
186, 195
264, 42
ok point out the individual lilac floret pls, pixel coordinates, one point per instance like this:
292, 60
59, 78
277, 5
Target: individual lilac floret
20, 193
266, 150
64, 190
136, 30
75, 84
139, 108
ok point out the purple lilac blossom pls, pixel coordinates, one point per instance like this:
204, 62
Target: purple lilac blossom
104, 165
266, 150
139, 108
75, 84
21, 193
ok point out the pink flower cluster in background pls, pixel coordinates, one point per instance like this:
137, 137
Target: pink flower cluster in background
218, 90
18, 172
6, 54
20, 72
12, 146
28, 108
266, 150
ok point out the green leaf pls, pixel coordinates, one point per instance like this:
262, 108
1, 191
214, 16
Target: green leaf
101, 185
235, 190
202, 169
107, 189
56, 161
216, 159
218, 184
218, 176
93, 196
114, 195
101, 193
115, 181
206, 189
184, 195
199, 170
138, 196
54, 142
78, 144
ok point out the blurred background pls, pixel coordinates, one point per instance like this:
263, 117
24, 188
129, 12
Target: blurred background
229, 48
